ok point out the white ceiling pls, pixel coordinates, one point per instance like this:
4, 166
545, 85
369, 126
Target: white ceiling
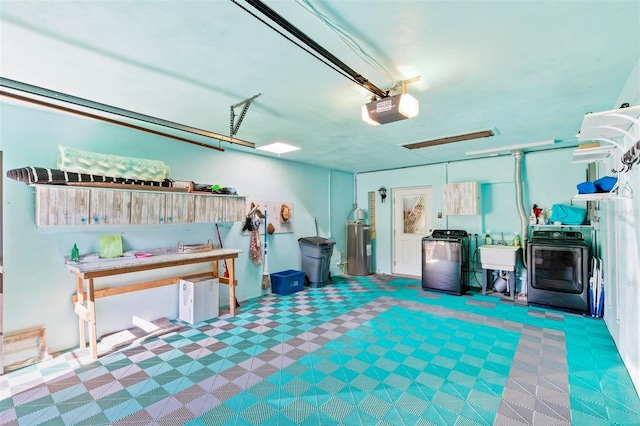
529, 69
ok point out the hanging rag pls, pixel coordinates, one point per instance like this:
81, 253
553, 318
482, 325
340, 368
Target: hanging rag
255, 248
253, 221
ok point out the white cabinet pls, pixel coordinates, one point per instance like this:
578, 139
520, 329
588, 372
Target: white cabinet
147, 207
461, 198
219, 208
110, 207
207, 209
69, 206
180, 208
59, 206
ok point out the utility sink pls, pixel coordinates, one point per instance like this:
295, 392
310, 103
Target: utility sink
501, 258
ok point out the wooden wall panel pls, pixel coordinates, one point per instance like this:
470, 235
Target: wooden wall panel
461, 198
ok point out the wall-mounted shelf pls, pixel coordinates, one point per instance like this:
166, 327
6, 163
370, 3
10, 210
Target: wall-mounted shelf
620, 192
560, 226
598, 196
589, 155
618, 128
609, 124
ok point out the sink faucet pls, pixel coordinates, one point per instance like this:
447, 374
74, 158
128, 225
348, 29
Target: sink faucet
502, 242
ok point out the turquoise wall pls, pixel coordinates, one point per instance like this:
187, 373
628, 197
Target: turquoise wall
549, 177
37, 287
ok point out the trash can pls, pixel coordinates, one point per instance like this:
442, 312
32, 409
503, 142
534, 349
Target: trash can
316, 259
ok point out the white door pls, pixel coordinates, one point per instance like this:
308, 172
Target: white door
412, 220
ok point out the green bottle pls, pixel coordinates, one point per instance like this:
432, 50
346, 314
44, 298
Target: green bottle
75, 254
487, 239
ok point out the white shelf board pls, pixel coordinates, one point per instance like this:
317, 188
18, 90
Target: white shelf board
589, 155
592, 123
598, 196
560, 226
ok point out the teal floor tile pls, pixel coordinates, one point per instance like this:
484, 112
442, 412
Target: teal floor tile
424, 358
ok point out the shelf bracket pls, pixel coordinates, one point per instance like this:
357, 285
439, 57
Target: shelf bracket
617, 129
626, 117
234, 127
614, 143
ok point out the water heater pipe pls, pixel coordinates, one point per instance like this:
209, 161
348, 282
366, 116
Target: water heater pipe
355, 195
524, 218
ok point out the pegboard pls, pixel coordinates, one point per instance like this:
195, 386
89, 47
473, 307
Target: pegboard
276, 214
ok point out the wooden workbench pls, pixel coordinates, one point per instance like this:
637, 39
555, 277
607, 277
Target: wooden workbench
86, 271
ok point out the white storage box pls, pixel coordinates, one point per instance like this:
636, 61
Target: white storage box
199, 299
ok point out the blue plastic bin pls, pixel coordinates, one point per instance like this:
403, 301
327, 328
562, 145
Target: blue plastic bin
287, 282
605, 183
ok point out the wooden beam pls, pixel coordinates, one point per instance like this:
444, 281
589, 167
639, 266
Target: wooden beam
113, 291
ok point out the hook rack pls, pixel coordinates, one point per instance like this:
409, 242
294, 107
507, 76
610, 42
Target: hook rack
255, 209
629, 158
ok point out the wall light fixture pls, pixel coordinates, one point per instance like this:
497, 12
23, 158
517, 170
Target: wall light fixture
383, 193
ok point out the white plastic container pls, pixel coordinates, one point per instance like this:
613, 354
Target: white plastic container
199, 299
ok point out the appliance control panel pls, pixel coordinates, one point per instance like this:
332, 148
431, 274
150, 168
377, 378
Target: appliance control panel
449, 233
556, 235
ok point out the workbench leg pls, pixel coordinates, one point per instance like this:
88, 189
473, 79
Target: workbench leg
91, 305
81, 323
232, 286
216, 273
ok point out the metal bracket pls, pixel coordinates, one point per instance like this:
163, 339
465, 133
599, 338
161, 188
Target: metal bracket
33, 94
233, 129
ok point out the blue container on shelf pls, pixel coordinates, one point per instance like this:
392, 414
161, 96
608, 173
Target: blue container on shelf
605, 183
586, 188
287, 282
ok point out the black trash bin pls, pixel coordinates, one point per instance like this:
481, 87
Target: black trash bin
316, 259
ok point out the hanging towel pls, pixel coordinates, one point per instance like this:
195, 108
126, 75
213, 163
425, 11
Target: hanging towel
255, 251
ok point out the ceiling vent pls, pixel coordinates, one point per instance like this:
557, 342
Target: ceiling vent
451, 139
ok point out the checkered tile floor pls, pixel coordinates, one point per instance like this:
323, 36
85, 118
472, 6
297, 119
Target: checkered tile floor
361, 351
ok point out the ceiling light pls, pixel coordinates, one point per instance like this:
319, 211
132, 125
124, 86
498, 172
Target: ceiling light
450, 139
506, 149
390, 109
278, 148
